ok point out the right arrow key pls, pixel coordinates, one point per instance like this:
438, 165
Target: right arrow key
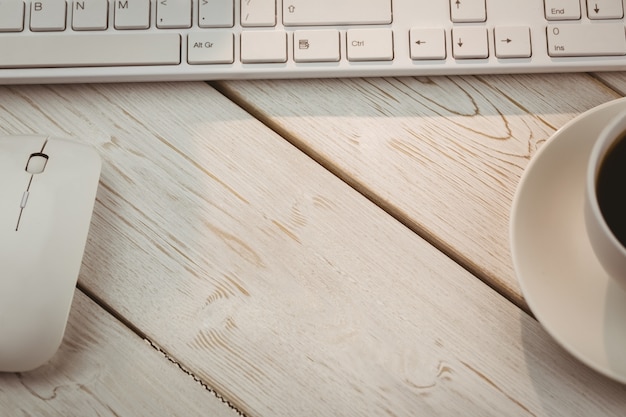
512, 42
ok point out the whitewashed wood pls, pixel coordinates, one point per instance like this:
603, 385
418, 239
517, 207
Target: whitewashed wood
103, 369
278, 285
444, 155
615, 80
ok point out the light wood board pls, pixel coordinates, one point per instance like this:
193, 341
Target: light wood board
104, 369
282, 288
442, 154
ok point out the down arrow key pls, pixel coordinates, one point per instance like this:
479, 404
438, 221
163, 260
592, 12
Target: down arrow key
603, 9
470, 42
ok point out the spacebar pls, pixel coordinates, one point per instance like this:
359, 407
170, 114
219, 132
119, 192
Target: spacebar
89, 50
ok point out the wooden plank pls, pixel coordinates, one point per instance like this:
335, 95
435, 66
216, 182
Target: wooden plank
103, 369
614, 80
443, 155
278, 285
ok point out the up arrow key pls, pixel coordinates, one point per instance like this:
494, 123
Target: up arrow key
468, 11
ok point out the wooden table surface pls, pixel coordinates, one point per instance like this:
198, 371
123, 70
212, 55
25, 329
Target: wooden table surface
307, 248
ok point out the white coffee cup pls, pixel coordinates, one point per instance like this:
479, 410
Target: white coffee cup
608, 249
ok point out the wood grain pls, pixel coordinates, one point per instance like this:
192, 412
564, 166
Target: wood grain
103, 369
615, 80
443, 155
281, 287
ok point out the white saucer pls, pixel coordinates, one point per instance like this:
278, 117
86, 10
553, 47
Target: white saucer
561, 279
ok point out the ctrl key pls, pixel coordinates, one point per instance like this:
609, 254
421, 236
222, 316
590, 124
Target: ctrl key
210, 48
370, 45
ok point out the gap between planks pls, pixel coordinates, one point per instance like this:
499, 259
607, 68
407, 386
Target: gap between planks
107, 308
366, 192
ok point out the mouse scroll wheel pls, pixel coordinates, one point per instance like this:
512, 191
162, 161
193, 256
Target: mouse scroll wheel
36, 163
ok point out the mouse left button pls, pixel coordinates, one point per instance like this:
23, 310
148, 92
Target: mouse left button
36, 163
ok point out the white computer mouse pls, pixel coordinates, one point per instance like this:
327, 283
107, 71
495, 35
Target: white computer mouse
47, 194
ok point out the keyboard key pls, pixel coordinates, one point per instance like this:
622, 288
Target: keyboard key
11, 15
336, 12
83, 50
428, 43
605, 9
90, 14
210, 48
469, 43
316, 45
295, 38
370, 44
132, 14
512, 42
586, 40
172, 14
263, 46
216, 13
47, 15
468, 11
258, 12
562, 9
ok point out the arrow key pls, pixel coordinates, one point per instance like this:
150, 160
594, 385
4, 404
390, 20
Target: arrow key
428, 43
463, 11
605, 9
512, 41
470, 42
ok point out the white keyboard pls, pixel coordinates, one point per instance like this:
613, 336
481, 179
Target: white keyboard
144, 40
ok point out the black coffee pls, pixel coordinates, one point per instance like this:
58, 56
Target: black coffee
611, 189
